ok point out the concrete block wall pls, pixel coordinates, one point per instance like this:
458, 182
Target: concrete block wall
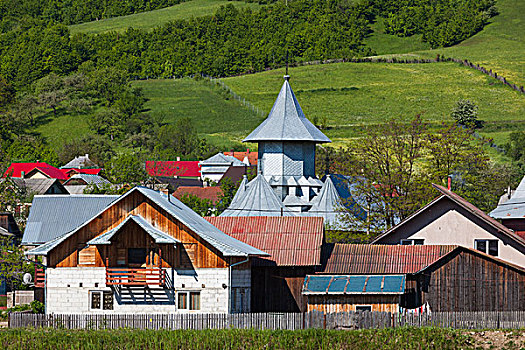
68, 291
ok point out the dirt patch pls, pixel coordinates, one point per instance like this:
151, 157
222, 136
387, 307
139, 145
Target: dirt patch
500, 339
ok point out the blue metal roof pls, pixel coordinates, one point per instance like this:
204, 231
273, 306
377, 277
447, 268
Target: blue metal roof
51, 216
286, 122
354, 284
225, 244
159, 236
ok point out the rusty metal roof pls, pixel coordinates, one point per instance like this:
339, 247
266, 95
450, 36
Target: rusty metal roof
290, 241
381, 259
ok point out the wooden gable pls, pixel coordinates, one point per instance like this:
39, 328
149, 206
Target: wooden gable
193, 252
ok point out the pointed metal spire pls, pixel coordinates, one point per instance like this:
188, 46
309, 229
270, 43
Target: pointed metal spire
257, 200
286, 121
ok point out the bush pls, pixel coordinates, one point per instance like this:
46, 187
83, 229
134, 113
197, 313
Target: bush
465, 112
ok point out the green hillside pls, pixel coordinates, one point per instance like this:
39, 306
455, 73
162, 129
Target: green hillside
213, 112
152, 19
351, 95
500, 46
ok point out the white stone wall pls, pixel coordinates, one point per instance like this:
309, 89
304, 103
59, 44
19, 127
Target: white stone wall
68, 291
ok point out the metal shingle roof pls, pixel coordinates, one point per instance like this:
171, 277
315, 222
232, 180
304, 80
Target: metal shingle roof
227, 245
286, 122
221, 159
52, 216
258, 199
290, 241
157, 235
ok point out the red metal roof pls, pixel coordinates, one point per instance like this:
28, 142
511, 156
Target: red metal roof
381, 259
211, 193
15, 169
171, 168
252, 156
72, 171
290, 241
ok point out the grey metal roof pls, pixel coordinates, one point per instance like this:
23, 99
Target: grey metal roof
79, 163
258, 199
38, 186
5, 233
227, 245
328, 204
514, 208
159, 236
240, 192
52, 216
286, 122
89, 179
221, 159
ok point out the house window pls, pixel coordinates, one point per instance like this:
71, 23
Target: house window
194, 300
363, 308
183, 301
137, 256
487, 246
412, 241
102, 300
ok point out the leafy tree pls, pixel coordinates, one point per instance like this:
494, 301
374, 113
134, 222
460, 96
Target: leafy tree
98, 147
465, 112
126, 168
13, 265
7, 93
202, 206
515, 148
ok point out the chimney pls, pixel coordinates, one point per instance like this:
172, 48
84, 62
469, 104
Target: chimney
165, 192
22, 174
449, 185
178, 159
247, 150
231, 152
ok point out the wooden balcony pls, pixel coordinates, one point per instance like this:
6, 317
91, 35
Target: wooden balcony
123, 276
40, 278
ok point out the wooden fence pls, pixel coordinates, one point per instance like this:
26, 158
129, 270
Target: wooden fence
290, 321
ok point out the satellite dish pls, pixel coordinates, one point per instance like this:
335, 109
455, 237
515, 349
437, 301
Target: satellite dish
27, 278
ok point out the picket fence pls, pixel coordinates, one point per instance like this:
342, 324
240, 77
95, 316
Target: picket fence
273, 321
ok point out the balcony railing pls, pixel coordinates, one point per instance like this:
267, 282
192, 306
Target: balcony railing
40, 278
118, 276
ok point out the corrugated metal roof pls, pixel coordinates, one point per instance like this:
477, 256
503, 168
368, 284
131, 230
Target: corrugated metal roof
221, 159
286, 122
258, 199
513, 208
39, 186
290, 241
89, 179
381, 259
354, 284
225, 244
52, 216
159, 236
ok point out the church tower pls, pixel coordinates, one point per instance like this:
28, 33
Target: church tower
286, 142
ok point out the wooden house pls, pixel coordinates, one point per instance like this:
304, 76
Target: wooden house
450, 219
145, 252
398, 278
294, 248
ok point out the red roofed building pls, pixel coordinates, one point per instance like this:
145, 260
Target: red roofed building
211, 193
171, 168
413, 278
41, 170
248, 156
294, 245
22, 169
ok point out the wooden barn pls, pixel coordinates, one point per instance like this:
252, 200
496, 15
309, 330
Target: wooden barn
294, 245
146, 252
402, 278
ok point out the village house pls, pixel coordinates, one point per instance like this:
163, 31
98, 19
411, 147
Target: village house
511, 210
401, 278
294, 248
451, 220
214, 168
41, 170
77, 183
35, 186
145, 252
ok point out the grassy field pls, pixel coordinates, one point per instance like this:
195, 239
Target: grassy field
500, 46
350, 95
151, 19
384, 44
402, 338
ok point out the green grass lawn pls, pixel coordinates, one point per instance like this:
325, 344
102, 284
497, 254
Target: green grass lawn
152, 19
350, 95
